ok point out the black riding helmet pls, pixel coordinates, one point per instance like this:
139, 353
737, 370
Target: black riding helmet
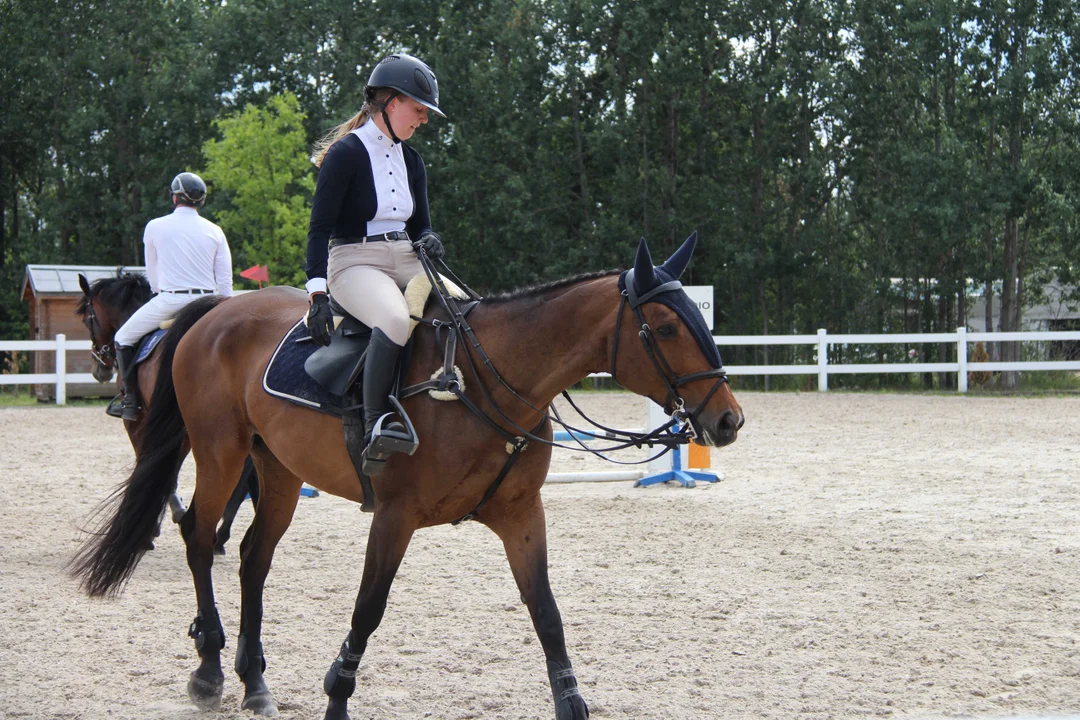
190, 188
409, 76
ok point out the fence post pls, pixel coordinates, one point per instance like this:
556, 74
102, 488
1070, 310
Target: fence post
822, 361
61, 370
961, 359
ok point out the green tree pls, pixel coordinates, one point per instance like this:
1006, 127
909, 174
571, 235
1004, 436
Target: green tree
261, 170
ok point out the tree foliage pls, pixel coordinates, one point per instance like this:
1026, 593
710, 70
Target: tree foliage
263, 177
864, 166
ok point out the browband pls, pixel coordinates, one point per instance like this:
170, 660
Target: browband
635, 300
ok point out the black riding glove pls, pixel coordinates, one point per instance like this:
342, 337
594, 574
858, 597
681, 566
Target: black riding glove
432, 244
320, 319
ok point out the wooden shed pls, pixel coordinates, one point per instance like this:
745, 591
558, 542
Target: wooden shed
53, 291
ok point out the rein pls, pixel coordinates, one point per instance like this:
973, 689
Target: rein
664, 435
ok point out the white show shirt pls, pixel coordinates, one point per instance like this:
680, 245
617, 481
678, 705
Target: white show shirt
394, 200
185, 251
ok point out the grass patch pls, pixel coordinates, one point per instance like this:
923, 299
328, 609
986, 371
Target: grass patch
21, 396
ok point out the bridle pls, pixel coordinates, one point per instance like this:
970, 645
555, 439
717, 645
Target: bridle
674, 405
106, 354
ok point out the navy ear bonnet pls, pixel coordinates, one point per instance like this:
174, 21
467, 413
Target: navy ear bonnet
646, 278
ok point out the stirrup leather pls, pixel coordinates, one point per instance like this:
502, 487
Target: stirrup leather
385, 441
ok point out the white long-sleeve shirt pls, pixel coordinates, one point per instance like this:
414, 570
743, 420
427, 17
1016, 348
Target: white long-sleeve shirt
185, 251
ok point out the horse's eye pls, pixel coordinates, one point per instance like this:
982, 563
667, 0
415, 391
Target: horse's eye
667, 330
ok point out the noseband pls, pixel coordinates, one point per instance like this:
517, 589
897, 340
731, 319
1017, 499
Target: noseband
674, 405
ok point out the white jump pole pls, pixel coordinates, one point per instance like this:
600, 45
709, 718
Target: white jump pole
607, 476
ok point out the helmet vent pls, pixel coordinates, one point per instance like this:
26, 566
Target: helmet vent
421, 81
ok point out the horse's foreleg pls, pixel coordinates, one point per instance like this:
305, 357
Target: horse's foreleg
214, 476
272, 518
524, 536
387, 541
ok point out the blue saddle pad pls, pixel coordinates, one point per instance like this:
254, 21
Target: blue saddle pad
285, 376
148, 344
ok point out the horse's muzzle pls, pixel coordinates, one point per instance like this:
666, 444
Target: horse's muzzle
101, 373
725, 430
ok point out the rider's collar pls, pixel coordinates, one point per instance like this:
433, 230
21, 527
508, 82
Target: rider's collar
369, 132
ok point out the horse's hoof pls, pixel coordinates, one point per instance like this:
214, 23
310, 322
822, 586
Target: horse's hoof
336, 710
219, 549
178, 515
572, 708
206, 694
261, 703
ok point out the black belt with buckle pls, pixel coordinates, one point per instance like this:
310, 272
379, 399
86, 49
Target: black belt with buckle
196, 291
394, 236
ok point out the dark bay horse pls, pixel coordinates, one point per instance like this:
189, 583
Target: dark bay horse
540, 341
104, 307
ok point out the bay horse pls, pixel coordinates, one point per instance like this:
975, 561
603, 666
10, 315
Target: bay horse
534, 344
105, 305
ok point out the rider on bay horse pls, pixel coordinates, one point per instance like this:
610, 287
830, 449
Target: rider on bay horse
187, 257
370, 203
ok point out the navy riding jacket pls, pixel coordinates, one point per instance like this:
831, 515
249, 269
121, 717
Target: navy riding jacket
345, 199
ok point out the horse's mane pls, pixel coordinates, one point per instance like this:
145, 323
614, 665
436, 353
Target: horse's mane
119, 292
535, 290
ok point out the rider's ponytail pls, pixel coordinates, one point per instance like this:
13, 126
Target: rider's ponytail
376, 102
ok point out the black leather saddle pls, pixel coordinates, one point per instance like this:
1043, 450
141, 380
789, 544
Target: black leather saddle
338, 366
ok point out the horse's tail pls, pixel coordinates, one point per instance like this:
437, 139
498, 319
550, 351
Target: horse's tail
133, 511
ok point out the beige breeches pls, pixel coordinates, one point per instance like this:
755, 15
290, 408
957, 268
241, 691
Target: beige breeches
367, 280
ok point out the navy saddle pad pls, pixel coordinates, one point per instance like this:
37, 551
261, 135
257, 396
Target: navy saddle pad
148, 344
286, 378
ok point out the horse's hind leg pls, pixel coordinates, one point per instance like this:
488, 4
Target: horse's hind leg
524, 536
273, 513
176, 507
248, 485
387, 541
217, 470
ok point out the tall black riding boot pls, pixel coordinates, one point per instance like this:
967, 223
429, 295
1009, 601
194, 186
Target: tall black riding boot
380, 368
125, 366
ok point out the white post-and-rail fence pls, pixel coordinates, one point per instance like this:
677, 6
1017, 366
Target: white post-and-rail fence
61, 377
961, 338
61, 345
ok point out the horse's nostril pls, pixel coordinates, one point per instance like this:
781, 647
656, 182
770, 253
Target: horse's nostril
730, 421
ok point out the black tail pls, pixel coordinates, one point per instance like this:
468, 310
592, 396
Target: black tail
132, 511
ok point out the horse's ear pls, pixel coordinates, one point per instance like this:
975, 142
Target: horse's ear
676, 264
644, 273
84, 284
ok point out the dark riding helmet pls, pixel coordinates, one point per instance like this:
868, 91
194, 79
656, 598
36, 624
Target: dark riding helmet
409, 76
190, 188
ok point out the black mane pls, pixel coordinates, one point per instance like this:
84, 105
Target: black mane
126, 291
535, 290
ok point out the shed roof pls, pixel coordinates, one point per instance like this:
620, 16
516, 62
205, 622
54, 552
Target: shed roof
64, 279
